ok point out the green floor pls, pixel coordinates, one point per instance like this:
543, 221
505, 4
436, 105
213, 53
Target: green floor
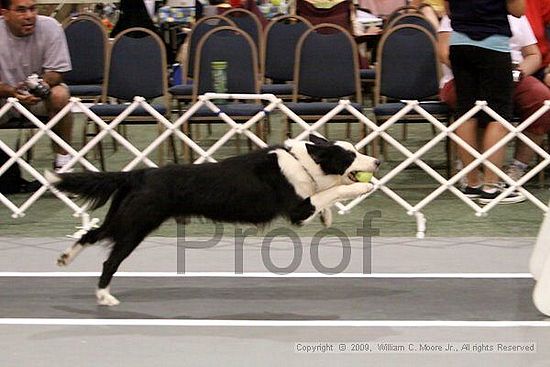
446, 216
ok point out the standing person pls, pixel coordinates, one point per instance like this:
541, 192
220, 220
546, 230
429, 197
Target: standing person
34, 44
480, 59
529, 92
133, 13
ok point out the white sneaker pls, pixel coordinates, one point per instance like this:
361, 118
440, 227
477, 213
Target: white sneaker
487, 197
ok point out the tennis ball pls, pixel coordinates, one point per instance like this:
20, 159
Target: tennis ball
363, 176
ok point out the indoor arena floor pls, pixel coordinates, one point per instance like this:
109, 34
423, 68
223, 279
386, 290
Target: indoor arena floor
469, 292
455, 298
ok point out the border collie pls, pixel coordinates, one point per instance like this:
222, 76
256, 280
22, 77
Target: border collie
296, 181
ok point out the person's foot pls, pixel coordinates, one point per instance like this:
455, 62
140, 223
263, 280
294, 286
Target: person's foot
60, 161
471, 191
490, 192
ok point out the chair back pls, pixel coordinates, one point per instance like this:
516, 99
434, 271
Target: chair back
280, 39
407, 66
339, 14
248, 22
88, 43
327, 64
413, 18
136, 66
203, 26
405, 9
237, 49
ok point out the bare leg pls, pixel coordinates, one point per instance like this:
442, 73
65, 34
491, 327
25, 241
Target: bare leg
524, 154
58, 99
493, 134
468, 132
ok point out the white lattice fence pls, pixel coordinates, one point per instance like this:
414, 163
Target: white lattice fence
273, 104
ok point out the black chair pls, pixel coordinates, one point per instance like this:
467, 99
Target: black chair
277, 55
405, 9
235, 47
248, 22
136, 66
408, 69
88, 43
413, 18
183, 93
326, 69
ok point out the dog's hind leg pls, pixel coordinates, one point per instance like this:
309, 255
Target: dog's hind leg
132, 228
120, 251
93, 235
70, 253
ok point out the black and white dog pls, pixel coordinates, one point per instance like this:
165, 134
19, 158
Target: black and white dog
296, 181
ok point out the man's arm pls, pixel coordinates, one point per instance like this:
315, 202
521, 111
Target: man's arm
7, 90
531, 59
516, 7
443, 47
52, 78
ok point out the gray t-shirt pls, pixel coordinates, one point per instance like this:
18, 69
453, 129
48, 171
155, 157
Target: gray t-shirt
45, 50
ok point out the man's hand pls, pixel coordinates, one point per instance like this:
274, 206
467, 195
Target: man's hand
25, 97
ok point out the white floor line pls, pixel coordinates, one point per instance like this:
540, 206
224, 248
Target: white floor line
273, 323
25, 274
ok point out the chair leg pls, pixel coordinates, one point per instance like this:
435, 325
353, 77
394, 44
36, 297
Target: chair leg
186, 150
101, 155
546, 147
404, 131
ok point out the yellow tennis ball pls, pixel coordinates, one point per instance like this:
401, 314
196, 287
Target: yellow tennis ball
363, 176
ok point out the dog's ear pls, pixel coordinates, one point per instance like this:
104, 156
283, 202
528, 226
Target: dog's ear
333, 159
318, 140
316, 152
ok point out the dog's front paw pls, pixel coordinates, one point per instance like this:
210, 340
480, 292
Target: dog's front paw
105, 298
356, 189
326, 217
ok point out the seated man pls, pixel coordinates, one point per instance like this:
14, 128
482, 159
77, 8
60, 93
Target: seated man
34, 44
529, 93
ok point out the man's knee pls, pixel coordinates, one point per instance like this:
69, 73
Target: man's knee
59, 97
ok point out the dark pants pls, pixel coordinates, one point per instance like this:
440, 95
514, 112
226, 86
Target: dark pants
482, 75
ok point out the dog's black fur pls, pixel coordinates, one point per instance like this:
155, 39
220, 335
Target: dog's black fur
250, 188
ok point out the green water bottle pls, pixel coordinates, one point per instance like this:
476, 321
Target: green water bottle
219, 78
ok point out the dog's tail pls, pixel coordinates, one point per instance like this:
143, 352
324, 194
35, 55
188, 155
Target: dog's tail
94, 187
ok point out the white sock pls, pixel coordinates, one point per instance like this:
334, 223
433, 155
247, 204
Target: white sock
62, 159
520, 164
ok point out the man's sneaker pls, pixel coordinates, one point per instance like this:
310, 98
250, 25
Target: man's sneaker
472, 192
512, 198
60, 161
57, 167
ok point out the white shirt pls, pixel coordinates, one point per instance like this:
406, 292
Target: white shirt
45, 50
522, 36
